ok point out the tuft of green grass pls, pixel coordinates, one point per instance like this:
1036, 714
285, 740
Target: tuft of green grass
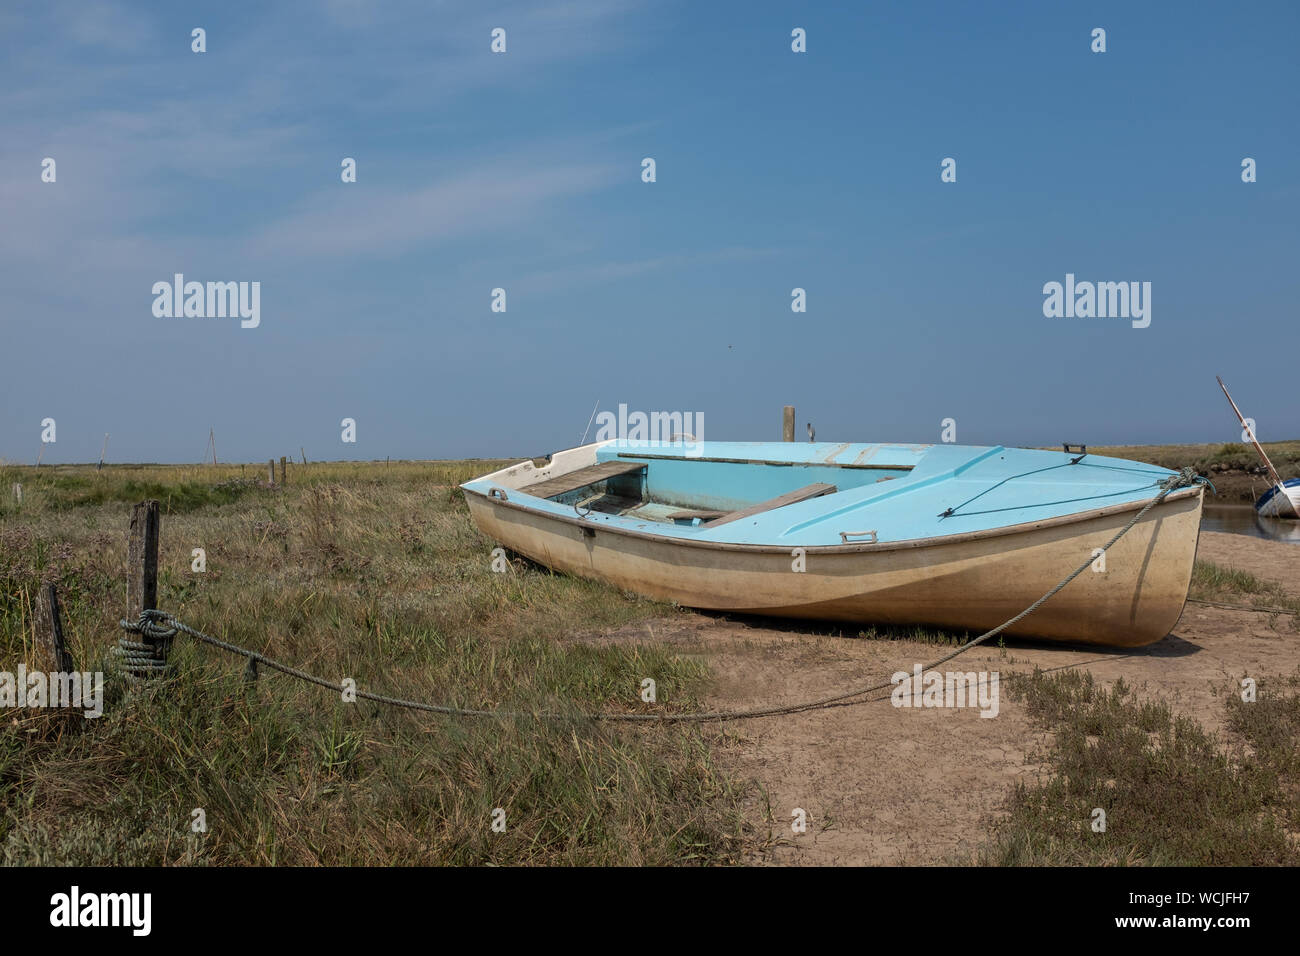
1209, 579
1213, 582
921, 635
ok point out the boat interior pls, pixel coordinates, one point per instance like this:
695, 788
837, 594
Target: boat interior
816, 493
704, 492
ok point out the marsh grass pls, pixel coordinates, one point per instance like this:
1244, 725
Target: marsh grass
357, 570
1285, 455
1173, 794
1213, 582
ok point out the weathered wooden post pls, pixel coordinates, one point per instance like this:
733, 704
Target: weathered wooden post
147, 657
787, 424
284, 471
18, 492
49, 634
142, 561
270, 472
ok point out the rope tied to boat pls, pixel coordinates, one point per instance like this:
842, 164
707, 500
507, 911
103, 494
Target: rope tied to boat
160, 628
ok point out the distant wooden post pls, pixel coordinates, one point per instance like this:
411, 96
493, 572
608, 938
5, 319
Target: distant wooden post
284, 471
142, 559
787, 424
302, 451
18, 492
270, 472
49, 634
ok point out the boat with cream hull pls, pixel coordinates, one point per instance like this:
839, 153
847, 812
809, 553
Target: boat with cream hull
806, 557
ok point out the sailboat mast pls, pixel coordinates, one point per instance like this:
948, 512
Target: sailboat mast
1277, 480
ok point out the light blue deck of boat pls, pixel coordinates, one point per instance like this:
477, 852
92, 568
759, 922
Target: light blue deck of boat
987, 487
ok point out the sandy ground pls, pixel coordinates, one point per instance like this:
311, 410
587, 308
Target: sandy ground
886, 785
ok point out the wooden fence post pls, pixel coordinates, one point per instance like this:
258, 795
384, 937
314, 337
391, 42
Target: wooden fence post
142, 586
787, 424
142, 560
18, 492
49, 633
270, 472
284, 471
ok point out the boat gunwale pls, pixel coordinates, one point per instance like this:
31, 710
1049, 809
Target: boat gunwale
632, 456
935, 541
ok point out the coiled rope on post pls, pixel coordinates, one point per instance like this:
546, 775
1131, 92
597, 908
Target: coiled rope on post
161, 627
141, 660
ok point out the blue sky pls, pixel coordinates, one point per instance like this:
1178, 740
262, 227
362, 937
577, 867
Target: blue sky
522, 170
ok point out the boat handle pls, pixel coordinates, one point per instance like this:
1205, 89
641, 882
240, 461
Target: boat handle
845, 535
498, 493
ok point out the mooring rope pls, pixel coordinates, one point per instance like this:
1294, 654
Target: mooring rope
160, 628
1263, 609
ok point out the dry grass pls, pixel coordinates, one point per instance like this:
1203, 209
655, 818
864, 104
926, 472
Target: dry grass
363, 570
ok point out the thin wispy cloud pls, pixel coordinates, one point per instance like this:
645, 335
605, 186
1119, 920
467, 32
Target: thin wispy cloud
377, 221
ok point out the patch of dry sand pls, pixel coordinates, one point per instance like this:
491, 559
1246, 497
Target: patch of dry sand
886, 785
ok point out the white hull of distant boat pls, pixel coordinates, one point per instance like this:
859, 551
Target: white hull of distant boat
1281, 501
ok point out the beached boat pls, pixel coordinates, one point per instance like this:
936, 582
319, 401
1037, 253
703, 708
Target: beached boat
1282, 500
944, 535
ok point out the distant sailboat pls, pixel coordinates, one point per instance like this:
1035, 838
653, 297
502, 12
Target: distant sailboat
1282, 500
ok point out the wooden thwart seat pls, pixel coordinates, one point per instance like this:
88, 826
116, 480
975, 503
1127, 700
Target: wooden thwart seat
563, 484
686, 514
789, 498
